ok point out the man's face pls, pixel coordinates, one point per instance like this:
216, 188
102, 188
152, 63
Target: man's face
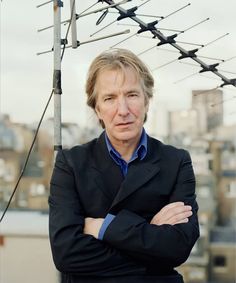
121, 104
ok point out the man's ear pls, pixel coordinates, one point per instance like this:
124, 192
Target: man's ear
146, 106
97, 110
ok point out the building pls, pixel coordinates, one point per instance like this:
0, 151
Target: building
212, 147
182, 125
209, 105
32, 191
223, 255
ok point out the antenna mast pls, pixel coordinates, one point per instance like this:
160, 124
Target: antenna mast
57, 4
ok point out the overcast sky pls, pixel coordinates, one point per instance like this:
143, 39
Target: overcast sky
26, 79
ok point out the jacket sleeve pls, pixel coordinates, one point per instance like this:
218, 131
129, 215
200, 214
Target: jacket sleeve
73, 251
169, 244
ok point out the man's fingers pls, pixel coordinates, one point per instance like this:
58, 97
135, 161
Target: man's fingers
179, 217
172, 205
172, 209
185, 220
178, 211
172, 214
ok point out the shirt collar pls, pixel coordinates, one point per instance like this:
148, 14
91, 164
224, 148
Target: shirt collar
140, 152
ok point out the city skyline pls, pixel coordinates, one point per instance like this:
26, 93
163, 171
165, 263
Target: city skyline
212, 149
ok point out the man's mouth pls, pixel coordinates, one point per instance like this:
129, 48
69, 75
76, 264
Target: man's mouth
124, 124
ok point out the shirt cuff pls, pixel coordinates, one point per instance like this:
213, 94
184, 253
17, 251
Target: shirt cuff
105, 224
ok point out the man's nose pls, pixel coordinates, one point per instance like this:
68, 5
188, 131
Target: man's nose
122, 107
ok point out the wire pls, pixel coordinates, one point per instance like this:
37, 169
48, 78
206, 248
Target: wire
38, 127
27, 158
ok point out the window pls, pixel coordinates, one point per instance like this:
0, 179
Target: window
231, 189
219, 261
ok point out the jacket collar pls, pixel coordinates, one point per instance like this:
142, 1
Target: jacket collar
139, 173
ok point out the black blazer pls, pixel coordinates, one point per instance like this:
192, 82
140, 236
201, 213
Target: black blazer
86, 182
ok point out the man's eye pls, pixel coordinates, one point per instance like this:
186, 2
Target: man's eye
107, 98
133, 94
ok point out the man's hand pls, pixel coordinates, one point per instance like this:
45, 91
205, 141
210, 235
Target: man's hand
92, 226
173, 213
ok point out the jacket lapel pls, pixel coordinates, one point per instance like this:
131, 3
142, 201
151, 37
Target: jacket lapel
107, 175
139, 173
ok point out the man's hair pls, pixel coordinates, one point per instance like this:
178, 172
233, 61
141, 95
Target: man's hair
117, 59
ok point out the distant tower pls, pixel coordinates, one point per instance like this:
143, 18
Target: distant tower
209, 106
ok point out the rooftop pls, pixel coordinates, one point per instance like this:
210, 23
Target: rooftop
33, 223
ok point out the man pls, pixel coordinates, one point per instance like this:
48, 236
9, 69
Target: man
122, 207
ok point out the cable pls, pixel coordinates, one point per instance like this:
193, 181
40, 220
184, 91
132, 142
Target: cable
27, 157
38, 127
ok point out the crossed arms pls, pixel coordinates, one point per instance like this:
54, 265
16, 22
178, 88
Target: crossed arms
172, 214
130, 242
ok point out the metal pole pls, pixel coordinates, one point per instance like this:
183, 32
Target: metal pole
57, 4
73, 24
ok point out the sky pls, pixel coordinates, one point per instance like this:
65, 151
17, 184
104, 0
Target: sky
26, 78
